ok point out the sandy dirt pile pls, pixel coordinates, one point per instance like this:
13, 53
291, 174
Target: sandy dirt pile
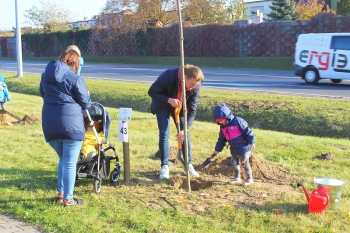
6, 118
271, 183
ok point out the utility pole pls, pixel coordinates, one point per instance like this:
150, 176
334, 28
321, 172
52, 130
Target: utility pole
18, 42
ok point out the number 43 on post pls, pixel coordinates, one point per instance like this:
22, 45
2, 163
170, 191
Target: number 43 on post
123, 130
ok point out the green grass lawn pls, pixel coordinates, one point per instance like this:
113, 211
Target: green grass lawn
302, 130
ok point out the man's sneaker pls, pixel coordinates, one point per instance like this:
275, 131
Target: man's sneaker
235, 181
248, 182
193, 172
74, 201
164, 172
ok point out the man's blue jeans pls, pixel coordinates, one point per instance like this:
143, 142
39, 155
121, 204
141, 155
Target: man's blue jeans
163, 118
68, 152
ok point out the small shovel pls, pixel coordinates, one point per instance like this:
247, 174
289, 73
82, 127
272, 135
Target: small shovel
208, 160
179, 144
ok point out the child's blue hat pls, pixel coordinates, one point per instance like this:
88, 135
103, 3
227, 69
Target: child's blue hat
2, 79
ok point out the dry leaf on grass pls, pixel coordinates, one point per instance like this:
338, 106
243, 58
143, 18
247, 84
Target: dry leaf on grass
182, 199
277, 211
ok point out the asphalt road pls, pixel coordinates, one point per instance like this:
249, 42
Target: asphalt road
282, 82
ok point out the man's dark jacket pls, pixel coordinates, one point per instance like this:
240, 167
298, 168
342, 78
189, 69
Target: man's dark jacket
165, 87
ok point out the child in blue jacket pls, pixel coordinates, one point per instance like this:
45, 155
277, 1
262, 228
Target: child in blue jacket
4, 93
240, 137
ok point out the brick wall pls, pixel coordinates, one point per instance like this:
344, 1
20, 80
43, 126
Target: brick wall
210, 40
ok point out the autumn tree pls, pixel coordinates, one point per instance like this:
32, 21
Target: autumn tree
197, 11
343, 7
131, 13
311, 8
7, 32
213, 11
236, 10
50, 17
282, 10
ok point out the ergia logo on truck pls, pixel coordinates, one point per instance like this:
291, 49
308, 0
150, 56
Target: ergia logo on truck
322, 59
322, 56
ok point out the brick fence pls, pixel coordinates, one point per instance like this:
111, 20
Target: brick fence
210, 40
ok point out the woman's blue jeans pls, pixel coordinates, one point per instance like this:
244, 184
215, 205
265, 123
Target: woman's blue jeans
68, 152
163, 118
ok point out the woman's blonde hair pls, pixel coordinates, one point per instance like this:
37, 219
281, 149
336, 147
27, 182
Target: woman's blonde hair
75, 48
71, 58
194, 72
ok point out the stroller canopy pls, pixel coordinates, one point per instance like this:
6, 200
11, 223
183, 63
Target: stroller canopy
98, 112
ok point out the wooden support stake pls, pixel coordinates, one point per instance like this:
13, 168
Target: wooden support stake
126, 156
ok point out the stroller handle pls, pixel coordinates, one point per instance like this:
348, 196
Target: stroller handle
92, 125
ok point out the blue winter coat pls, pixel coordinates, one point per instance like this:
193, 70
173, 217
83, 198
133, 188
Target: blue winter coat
236, 132
4, 93
65, 97
165, 87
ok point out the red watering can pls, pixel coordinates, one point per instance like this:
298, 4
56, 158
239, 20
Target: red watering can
318, 199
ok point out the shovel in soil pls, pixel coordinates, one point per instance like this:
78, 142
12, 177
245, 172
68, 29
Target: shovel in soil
179, 144
208, 160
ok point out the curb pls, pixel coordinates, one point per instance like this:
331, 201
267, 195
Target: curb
8, 224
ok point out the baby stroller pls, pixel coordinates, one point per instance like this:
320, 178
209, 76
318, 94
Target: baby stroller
96, 165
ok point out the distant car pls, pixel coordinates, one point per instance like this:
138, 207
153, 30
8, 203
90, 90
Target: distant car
322, 56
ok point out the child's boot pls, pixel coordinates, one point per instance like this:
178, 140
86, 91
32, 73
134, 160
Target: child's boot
248, 172
237, 178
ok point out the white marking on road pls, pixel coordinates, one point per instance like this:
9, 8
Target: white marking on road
206, 83
254, 75
33, 64
136, 69
280, 92
149, 76
110, 73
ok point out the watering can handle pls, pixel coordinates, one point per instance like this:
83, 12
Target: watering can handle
322, 194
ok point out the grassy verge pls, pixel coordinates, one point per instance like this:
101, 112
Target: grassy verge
293, 114
268, 63
28, 179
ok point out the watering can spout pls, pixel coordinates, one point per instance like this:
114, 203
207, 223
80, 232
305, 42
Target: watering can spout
305, 192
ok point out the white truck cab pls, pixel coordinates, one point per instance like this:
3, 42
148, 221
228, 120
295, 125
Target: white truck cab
322, 56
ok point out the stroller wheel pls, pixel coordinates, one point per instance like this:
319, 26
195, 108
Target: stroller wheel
97, 185
114, 176
82, 169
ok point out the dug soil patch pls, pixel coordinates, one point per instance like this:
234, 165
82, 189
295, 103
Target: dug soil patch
6, 118
211, 189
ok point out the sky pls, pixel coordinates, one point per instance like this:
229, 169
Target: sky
80, 9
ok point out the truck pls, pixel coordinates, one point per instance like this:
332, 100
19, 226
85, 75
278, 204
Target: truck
322, 56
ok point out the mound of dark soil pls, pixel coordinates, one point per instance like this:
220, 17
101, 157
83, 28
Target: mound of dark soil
327, 156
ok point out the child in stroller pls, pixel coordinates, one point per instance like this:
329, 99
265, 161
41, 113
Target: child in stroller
93, 160
90, 144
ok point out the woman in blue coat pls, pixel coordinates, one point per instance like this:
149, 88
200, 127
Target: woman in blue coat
65, 97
